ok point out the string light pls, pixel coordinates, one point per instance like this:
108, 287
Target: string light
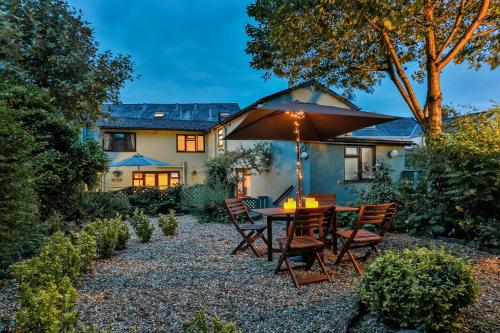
297, 116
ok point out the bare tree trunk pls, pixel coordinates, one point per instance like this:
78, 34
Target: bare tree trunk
434, 101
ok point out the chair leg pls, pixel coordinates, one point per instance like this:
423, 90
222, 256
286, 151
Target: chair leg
358, 268
290, 270
341, 254
244, 246
322, 265
280, 263
238, 248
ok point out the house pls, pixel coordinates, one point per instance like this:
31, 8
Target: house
187, 135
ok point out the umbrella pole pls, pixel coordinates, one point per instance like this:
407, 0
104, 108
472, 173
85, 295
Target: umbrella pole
299, 162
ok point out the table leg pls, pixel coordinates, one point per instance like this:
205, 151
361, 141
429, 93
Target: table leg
269, 238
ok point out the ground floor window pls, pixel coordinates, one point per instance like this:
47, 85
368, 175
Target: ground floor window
158, 179
359, 162
243, 181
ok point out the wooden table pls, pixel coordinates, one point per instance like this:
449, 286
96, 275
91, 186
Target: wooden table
280, 214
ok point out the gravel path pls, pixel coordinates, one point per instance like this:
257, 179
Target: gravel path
155, 287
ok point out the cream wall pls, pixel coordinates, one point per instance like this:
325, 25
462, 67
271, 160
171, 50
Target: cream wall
159, 145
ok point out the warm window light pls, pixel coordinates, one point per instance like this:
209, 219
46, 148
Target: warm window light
290, 204
311, 203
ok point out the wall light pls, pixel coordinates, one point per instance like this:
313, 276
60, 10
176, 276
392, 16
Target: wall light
393, 153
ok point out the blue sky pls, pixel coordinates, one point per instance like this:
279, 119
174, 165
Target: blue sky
193, 51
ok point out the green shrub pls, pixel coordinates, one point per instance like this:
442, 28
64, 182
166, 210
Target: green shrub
207, 202
105, 205
86, 244
457, 194
50, 309
418, 288
106, 236
142, 226
168, 224
58, 258
123, 233
55, 222
153, 201
205, 323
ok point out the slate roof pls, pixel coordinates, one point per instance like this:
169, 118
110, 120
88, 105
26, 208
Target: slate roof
401, 127
192, 116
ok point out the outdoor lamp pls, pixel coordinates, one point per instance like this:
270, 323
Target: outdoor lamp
393, 153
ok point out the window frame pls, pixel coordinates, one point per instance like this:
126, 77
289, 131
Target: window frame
113, 150
359, 158
220, 137
142, 177
196, 136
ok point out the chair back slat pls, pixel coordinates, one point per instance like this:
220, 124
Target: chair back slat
310, 222
237, 209
374, 214
324, 199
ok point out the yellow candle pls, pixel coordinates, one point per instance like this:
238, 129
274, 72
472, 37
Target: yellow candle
311, 203
290, 204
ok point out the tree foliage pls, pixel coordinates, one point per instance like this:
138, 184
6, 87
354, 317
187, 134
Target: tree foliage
48, 44
353, 44
459, 190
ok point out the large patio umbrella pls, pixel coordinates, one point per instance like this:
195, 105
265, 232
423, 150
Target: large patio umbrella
138, 160
296, 121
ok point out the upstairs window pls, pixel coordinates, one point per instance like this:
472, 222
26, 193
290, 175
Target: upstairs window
113, 141
359, 162
191, 143
220, 138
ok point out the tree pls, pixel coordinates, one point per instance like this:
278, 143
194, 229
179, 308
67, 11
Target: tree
61, 164
352, 44
48, 44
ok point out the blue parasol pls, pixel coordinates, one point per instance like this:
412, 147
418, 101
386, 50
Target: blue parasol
138, 160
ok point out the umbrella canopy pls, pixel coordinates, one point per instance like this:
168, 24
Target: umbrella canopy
319, 122
296, 121
138, 160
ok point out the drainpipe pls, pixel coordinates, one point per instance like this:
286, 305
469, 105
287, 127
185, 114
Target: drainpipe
184, 166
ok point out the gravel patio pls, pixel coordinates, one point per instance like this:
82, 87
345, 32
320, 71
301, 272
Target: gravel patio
155, 287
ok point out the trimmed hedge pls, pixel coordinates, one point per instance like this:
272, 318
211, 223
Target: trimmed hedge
418, 288
168, 224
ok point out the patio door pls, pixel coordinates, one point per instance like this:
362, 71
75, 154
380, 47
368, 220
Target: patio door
244, 178
157, 179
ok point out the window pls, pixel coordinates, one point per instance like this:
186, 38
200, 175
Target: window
220, 138
359, 162
244, 176
157, 179
112, 141
190, 143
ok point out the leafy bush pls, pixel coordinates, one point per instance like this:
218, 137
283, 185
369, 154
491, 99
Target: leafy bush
58, 258
106, 236
123, 233
49, 309
381, 190
142, 226
457, 195
105, 205
205, 323
207, 202
168, 224
46, 295
153, 201
418, 288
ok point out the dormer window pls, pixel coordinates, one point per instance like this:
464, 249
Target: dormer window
159, 114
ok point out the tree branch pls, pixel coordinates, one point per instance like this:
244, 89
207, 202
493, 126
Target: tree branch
454, 30
467, 36
485, 32
402, 75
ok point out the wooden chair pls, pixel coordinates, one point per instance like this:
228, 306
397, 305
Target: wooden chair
250, 231
324, 199
379, 215
327, 199
301, 240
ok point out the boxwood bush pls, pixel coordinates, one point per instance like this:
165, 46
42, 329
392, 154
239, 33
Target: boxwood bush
168, 224
142, 226
418, 288
46, 293
202, 322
